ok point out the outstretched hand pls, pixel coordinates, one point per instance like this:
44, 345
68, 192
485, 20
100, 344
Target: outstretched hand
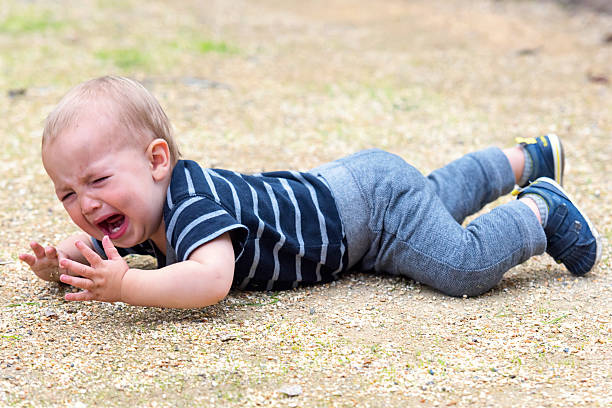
101, 279
45, 262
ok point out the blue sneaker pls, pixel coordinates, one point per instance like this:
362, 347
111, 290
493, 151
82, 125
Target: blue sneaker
546, 153
571, 237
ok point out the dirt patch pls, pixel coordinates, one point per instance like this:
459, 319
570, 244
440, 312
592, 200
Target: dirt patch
266, 84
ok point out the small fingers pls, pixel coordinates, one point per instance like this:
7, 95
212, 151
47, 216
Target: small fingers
109, 249
92, 257
29, 259
39, 251
77, 282
61, 256
79, 296
76, 268
50, 252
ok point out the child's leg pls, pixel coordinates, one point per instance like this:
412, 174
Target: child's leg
476, 179
469, 183
396, 223
431, 247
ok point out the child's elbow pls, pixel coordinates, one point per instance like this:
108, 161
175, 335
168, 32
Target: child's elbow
223, 284
214, 271
216, 286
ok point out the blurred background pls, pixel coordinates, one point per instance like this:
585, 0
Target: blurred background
274, 84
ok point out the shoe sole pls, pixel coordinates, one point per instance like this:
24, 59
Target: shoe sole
558, 156
589, 223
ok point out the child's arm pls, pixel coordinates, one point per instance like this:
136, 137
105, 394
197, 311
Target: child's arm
204, 279
45, 261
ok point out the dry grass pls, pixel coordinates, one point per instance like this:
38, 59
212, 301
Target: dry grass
261, 85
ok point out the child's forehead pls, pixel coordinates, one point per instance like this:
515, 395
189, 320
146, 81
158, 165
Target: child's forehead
98, 127
83, 155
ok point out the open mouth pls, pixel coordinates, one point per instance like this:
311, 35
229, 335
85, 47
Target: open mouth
113, 226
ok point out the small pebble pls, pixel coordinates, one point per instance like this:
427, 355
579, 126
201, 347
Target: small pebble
50, 314
291, 390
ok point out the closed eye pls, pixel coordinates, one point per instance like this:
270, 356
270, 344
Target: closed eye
100, 179
66, 196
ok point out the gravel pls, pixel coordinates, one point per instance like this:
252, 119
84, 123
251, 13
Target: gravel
263, 85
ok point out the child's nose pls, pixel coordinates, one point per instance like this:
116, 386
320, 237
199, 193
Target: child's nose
89, 204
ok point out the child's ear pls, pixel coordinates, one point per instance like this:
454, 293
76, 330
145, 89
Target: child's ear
158, 155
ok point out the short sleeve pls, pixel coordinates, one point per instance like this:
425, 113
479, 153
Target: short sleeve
196, 220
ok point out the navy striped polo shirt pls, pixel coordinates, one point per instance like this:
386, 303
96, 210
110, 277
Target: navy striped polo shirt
284, 225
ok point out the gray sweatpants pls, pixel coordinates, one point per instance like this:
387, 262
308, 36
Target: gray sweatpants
398, 221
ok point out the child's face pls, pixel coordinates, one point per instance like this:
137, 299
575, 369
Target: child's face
108, 186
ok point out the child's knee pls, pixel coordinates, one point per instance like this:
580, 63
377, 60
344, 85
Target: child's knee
458, 283
465, 288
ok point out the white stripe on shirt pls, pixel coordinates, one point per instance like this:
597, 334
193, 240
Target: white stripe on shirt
298, 231
179, 210
169, 198
211, 185
194, 224
190, 188
208, 238
282, 239
260, 228
237, 208
322, 227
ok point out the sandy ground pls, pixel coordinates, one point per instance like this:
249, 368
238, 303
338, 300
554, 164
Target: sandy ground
267, 84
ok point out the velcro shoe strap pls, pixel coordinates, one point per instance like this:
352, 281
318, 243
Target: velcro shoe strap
556, 218
563, 245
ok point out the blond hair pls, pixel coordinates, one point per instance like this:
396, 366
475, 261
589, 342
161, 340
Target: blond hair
121, 98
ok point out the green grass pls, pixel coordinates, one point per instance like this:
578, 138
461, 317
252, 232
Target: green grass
213, 46
28, 22
22, 304
190, 41
124, 58
11, 336
557, 319
503, 312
